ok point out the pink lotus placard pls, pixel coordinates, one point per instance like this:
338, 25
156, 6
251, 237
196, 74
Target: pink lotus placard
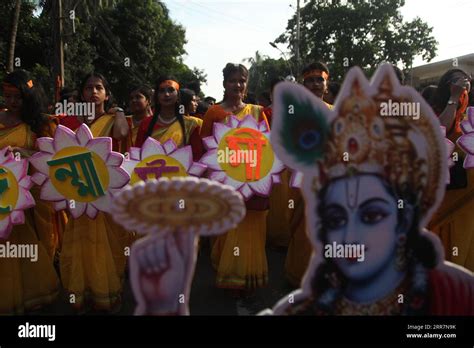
240, 155
155, 160
78, 172
15, 196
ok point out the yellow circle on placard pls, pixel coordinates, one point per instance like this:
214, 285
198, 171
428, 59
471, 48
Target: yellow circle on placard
170, 162
248, 168
9, 191
92, 173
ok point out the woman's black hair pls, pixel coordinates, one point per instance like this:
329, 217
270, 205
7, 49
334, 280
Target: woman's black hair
34, 104
177, 111
316, 66
108, 91
207, 99
444, 89
419, 249
186, 97
202, 108
144, 90
66, 93
428, 93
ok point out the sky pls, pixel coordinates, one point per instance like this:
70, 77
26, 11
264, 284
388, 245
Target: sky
222, 31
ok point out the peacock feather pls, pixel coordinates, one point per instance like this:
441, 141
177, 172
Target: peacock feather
305, 129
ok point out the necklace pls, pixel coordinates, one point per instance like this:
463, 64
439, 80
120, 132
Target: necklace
170, 121
388, 305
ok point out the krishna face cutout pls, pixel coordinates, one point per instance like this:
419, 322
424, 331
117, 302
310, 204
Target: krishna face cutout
371, 184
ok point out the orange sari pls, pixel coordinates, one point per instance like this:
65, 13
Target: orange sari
239, 255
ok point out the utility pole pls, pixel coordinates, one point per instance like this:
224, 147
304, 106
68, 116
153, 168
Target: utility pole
58, 70
297, 38
60, 42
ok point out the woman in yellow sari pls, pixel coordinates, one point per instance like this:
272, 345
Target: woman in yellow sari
454, 220
25, 284
247, 270
93, 255
168, 121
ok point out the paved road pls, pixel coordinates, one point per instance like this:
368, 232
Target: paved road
206, 299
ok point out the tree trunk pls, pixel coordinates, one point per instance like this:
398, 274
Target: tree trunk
11, 52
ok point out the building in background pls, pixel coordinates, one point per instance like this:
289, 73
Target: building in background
429, 74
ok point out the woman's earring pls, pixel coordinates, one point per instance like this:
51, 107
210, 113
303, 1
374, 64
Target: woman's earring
401, 257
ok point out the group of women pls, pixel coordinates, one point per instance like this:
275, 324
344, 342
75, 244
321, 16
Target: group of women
89, 253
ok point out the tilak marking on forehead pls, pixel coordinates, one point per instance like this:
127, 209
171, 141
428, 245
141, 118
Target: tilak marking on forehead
352, 191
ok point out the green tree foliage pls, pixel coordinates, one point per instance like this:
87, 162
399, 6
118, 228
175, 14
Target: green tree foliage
79, 53
363, 33
263, 70
30, 33
137, 42
100, 35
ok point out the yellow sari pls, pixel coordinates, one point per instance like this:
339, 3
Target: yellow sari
239, 255
93, 255
174, 131
299, 249
26, 285
453, 222
278, 219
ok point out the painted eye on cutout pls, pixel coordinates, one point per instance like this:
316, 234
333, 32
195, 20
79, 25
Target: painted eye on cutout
310, 139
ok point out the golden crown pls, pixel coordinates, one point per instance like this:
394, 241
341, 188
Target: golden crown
407, 149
